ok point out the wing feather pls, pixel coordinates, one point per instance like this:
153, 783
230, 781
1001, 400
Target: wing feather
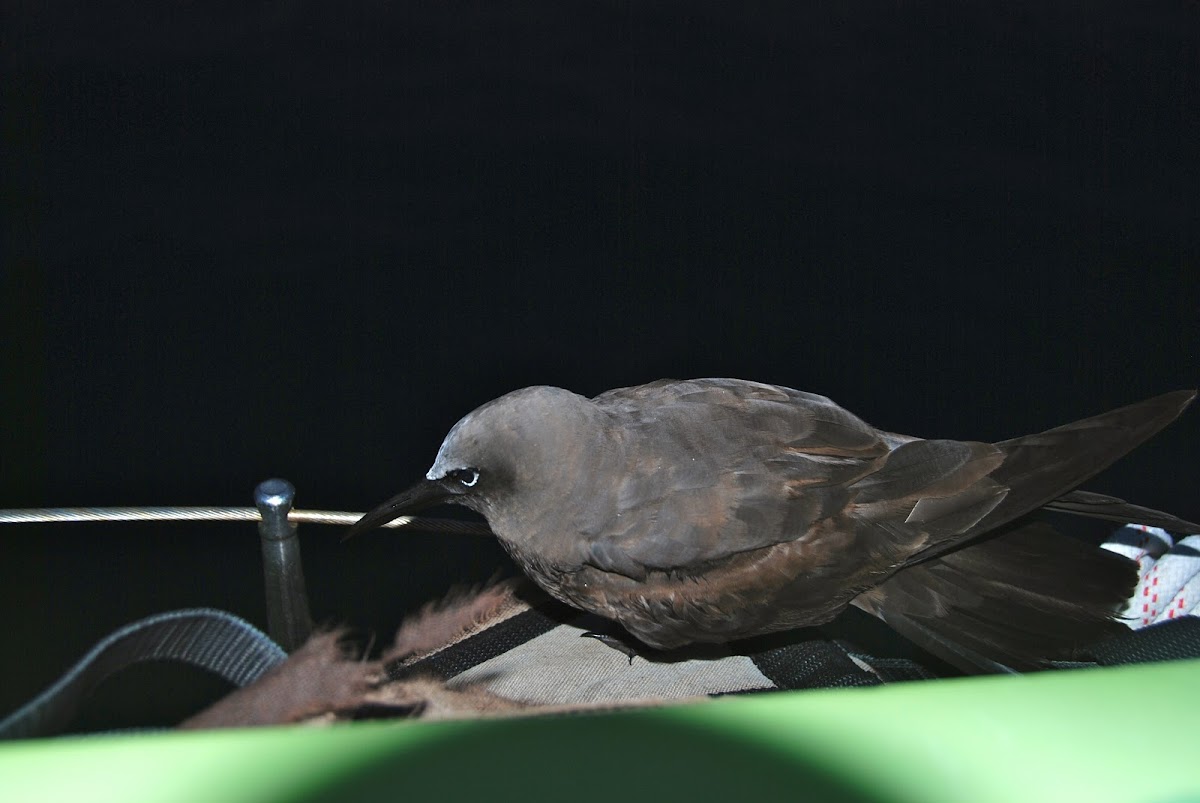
717, 467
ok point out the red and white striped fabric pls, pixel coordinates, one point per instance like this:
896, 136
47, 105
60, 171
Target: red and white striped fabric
1169, 573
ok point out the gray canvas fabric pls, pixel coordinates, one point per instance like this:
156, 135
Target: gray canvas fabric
560, 667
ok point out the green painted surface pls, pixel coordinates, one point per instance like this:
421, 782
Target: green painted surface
1099, 735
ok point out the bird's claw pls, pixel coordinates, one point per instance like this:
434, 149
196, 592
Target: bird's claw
612, 641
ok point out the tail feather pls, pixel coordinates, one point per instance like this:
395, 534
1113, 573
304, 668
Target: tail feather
1012, 602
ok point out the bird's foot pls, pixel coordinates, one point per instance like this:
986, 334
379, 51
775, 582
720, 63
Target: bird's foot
615, 642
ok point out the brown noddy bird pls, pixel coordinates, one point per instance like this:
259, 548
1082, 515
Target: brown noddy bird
712, 510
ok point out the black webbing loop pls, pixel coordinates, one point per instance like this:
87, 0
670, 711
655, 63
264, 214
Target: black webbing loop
203, 637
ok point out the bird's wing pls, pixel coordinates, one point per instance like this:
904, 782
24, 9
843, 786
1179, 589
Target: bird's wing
721, 467
718, 467
935, 496
1044, 468
1099, 506
754, 414
1046, 465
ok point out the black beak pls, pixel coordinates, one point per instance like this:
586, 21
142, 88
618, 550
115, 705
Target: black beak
422, 495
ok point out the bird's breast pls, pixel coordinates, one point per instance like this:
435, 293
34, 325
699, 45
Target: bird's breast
779, 587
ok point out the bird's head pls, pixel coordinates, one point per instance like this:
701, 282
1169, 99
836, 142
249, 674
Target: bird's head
514, 446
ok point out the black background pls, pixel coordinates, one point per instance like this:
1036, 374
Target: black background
301, 240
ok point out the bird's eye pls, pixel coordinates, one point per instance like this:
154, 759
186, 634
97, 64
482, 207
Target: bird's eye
466, 476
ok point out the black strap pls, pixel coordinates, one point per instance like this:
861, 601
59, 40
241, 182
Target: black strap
488, 644
1170, 640
812, 664
895, 670
209, 639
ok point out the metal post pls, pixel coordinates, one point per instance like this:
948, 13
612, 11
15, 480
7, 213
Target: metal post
288, 619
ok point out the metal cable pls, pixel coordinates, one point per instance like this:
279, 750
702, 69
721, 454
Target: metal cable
58, 514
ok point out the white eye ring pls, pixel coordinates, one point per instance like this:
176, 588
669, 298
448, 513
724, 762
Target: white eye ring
474, 477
